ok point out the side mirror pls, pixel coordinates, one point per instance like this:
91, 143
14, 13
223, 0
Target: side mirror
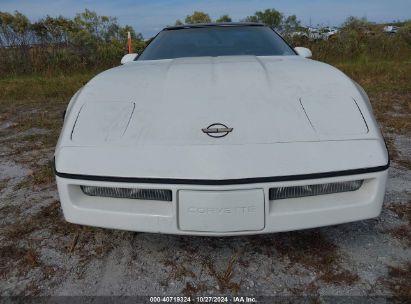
303, 52
128, 58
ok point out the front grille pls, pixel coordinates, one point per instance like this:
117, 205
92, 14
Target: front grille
130, 193
311, 190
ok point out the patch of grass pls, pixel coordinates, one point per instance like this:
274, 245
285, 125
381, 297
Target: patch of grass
44, 174
4, 183
352, 44
224, 278
11, 252
39, 131
18, 230
313, 251
32, 90
379, 77
17, 261
179, 271
402, 210
9, 210
13, 257
86, 248
402, 232
49, 220
391, 110
40, 175
52, 218
399, 281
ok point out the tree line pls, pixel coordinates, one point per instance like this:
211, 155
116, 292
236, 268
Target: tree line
86, 41
92, 42
270, 17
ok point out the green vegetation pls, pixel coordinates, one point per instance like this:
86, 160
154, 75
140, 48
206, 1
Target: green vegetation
89, 43
270, 17
224, 18
358, 43
52, 45
198, 17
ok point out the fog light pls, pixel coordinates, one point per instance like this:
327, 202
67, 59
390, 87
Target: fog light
311, 190
132, 193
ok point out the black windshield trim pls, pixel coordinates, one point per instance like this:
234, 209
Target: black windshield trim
204, 25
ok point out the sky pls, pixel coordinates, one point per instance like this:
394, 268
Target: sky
150, 16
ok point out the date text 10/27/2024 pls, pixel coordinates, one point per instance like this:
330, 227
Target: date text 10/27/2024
203, 299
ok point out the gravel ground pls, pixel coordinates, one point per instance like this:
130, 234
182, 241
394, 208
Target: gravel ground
41, 254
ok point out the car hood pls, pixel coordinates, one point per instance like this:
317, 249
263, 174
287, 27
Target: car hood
263, 99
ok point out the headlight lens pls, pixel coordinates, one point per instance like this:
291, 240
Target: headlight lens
131, 193
311, 190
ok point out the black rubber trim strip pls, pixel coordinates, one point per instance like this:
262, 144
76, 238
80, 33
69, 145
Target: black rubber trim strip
222, 182
205, 25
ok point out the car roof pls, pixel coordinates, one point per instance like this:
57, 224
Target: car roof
205, 25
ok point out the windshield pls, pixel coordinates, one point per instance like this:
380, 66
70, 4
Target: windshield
216, 41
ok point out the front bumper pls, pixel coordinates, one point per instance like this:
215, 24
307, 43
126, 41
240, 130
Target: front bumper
276, 215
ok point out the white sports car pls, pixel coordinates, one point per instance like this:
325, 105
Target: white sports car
220, 129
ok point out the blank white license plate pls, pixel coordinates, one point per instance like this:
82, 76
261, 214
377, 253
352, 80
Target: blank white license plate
221, 211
